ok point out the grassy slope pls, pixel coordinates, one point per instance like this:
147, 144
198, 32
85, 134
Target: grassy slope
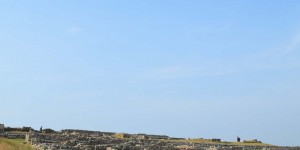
16, 144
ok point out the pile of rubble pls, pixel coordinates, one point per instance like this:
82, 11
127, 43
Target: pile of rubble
48, 139
89, 140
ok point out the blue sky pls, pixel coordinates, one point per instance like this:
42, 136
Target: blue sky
210, 69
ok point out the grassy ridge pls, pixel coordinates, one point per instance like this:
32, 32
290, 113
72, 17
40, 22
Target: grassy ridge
13, 144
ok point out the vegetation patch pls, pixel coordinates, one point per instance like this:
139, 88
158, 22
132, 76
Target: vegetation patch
119, 135
14, 144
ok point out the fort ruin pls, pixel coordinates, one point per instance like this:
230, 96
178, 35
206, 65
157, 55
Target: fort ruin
70, 139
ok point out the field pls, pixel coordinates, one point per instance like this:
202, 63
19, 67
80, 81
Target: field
15, 144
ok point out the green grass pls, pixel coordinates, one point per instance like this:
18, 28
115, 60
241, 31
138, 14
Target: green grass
13, 144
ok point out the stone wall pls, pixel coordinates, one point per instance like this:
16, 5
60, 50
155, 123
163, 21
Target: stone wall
1, 127
12, 135
97, 141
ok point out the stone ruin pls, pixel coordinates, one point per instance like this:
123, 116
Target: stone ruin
1, 127
95, 140
252, 141
88, 140
70, 139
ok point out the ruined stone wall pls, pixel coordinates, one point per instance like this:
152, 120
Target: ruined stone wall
13, 135
89, 140
1, 127
96, 141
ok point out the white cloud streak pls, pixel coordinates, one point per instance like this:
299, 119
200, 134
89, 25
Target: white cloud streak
74, 30
176, 72
294, 44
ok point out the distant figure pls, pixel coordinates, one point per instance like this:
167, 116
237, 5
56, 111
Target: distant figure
41, 129
238, 139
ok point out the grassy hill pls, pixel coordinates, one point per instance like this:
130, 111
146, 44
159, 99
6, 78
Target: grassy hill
16, 144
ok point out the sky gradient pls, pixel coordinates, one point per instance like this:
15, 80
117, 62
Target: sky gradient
196, 68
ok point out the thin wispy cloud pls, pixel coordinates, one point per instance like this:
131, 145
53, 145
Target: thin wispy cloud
178, 72
277, 57
294, 43
74, 30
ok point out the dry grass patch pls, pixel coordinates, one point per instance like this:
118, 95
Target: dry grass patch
13, 144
